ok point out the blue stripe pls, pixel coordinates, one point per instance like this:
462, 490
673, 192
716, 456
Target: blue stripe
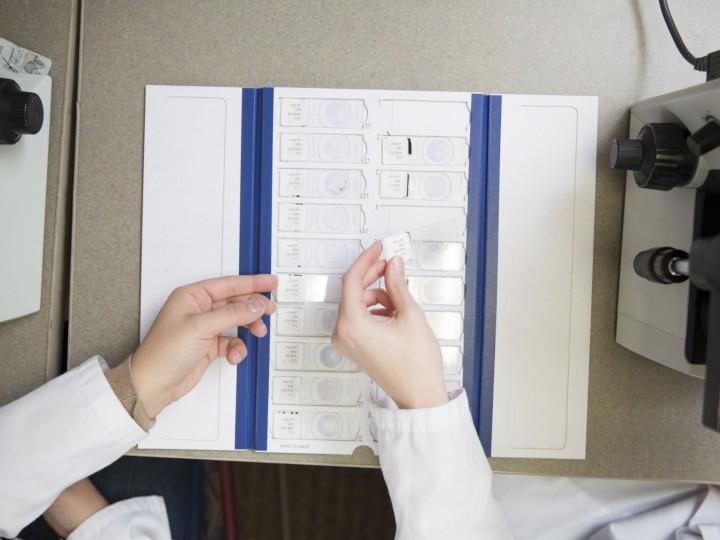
245, 393
264, 261
475, 260
487, 377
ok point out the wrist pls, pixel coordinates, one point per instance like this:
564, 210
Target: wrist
73, 506
125, 390
426, 398
150, 397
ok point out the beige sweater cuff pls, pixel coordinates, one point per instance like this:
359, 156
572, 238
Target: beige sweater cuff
121, 383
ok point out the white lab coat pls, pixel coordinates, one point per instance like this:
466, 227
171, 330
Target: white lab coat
69, 428
437, 476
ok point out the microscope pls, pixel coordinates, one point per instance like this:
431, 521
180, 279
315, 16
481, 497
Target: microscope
669, 292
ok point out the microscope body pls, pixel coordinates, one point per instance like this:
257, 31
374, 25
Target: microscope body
653, 318
668, 318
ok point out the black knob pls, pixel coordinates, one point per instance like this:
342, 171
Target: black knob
659, 157
626, 154
21, 113
705, 139
658, 265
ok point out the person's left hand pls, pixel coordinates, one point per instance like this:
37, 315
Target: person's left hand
184, 339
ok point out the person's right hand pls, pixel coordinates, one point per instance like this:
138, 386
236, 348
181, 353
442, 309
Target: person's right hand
394, 344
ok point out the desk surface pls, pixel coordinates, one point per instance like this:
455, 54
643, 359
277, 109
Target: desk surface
31, 347
643, 419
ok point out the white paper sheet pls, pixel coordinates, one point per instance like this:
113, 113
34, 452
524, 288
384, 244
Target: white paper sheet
545, 249
190, 231
21, 61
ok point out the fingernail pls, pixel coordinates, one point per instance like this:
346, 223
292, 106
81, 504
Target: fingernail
235, 357
398, 263
254, 306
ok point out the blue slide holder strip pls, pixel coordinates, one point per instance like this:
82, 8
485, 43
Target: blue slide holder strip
475, 257
264, 248
492, 217
249, 154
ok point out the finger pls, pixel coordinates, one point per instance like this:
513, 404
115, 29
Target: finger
258, 328
232, 348
375, 273
383, 312
237, 354
373, 297
352, 284
269, 304
226, 287
396, 285
231, 315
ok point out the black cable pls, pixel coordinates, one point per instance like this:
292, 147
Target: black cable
700, 64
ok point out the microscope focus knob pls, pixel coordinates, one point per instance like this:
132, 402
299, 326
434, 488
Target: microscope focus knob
21, 112
626, 154
659, 157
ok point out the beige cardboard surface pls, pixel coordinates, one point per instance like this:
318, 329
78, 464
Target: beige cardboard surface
31, 347
644, 420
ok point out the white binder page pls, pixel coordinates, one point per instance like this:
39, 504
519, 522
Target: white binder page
544, 276
190, 231
351, 167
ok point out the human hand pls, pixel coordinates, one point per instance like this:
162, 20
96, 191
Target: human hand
184, 339
393, 344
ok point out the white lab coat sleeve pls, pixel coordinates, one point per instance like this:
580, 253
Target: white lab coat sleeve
437, 474
60, 433
139, 518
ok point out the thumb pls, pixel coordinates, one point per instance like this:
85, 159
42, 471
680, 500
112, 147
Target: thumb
231, 315
396, 285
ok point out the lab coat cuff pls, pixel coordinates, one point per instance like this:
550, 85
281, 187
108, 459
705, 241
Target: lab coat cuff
120, 379
104, 403
455, 412
126, 519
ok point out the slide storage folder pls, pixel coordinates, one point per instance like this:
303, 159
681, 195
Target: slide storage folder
492, 195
